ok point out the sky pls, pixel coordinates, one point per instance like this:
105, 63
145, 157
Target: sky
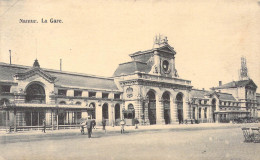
96, 36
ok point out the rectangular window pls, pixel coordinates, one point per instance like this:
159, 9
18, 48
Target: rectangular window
6, 89
199, 112
62, 92
92, 94
77, 93
105, 95
116, 96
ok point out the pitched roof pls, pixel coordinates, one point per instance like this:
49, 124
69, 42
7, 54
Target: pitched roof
201, 94
235, 84
132, 67
68, 79
226, 96
198, 93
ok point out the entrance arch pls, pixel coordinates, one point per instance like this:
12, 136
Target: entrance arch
151, 107
35, 93
117, 111
166, 107
179, 102
213, 103
105, 111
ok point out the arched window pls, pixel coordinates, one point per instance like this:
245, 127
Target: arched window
78, 103
62, 102
35, 93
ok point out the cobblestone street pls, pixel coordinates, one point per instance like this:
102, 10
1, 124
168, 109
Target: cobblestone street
217, 141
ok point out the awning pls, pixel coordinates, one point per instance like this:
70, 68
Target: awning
42, 106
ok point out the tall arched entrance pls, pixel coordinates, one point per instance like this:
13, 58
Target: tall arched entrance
35, 93
105, 111
213, 103
117, 111
151, 107
166, 107
179, 101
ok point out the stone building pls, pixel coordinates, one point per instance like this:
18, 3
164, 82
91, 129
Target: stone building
147, 88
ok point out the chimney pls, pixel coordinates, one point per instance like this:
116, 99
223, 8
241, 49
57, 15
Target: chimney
60, 64
220, 83
10, 54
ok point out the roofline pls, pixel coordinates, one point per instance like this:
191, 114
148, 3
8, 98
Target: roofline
150, 50
84, 88
56, 71
132, 62
151, 75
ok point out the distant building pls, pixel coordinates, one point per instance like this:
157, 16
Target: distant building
147, 88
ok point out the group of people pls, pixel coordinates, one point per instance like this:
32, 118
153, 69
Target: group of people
90, 124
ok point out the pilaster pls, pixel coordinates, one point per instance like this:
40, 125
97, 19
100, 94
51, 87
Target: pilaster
159, 111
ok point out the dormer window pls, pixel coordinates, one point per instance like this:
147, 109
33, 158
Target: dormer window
6, 88
62, 92
105, 95
92, 94
77, 93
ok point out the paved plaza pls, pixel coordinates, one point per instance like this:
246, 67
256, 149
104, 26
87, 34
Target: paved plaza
198, 141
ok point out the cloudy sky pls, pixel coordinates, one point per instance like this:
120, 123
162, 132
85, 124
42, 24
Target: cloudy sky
95, 36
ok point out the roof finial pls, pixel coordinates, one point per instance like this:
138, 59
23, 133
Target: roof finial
36, 63
160, 40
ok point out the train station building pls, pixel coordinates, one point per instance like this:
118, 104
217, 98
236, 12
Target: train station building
147, 88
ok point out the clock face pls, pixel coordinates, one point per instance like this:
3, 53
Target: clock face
165, 66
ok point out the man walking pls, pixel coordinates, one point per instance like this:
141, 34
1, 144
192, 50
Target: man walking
104, 124
122, 123
44, 125
89, 127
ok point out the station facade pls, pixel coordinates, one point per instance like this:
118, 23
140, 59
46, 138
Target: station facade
147, 88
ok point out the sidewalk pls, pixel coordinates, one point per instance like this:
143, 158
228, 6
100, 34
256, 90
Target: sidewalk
132, 129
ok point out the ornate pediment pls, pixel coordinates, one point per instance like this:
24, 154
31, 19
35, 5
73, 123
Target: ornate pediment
35, 70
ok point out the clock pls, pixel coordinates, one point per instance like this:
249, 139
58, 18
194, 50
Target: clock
165, 67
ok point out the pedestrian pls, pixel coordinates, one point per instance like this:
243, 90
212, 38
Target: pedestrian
136, 123
44, 125
89, 127
104, 124
82, 124
93, 123
122, 123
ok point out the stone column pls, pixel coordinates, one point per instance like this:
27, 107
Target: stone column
203, 114
98, 114
209, 114
146, 115
196, 113
186, 112
159, 111
174, 112
138, 109
15, 123
111, 112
